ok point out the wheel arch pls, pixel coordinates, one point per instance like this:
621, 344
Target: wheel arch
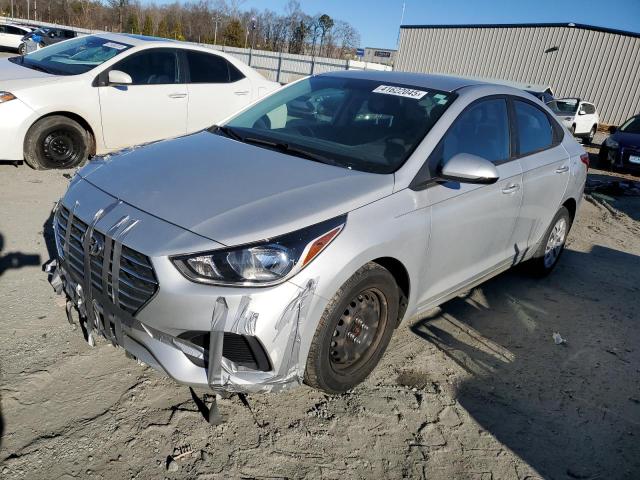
73, 116
571, 205
401, 276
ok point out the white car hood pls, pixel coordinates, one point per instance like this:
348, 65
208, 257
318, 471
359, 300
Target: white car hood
232, 192
14, 77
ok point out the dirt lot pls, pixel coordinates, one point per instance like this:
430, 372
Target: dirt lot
474, 390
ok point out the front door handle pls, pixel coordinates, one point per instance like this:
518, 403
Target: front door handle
562, 169
511, 188
177, 95
242, 92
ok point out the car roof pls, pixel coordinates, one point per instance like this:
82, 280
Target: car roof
443, 83
135, 40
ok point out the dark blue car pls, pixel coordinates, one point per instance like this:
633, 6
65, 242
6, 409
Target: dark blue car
622, 148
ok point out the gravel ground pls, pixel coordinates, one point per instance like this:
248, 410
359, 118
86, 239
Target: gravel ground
474, 390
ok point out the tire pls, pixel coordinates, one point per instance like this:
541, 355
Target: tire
545, 260
365, 308
56, 142
22, 49
591, 135
572, 130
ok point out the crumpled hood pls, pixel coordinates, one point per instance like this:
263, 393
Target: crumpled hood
231, 192
14, 77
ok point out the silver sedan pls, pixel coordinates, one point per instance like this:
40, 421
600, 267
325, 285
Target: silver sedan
286, 245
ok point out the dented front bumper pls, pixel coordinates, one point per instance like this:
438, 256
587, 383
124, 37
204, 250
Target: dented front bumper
229, 339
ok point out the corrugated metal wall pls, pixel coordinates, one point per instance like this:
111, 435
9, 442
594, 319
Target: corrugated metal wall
597, 66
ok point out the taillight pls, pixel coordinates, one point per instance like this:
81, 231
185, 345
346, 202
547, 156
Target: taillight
584, 158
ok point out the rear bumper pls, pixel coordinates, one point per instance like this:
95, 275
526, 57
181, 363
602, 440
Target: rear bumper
620, 158
15, 119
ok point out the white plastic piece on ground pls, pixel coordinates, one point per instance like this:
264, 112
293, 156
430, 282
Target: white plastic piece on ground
557, 339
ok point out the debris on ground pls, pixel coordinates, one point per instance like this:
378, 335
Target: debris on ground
558, 340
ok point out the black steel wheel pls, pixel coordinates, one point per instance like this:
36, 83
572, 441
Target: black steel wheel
357, 332
56, 142
354, 330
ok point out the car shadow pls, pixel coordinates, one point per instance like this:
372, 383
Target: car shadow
570, 410
8, 261
623, 194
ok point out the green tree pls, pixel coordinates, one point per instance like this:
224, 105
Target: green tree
133, 25
232, 34
177, 31
147, 29
163, 29
326, 24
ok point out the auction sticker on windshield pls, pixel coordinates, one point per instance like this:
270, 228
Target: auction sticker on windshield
117, 46
400, 91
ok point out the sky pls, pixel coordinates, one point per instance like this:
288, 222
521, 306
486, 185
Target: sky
378, 21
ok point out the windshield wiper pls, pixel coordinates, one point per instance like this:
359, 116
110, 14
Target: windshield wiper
229, 132
35, 67
298, 152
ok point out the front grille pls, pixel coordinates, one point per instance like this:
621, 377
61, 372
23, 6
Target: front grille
136, 278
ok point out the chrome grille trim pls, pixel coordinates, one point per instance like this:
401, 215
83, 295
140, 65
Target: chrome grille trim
119, 273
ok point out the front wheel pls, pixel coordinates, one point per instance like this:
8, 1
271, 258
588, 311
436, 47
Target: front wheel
56, 142
354, 331
552, 244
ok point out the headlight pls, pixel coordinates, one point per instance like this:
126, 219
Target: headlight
262, 263
6, 97
611, 143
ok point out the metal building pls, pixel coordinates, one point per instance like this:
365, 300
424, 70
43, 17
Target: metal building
599, 65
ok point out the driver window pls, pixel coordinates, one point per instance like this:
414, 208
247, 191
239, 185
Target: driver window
482, 130
151, 67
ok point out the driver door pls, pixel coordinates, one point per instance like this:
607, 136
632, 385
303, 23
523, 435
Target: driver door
153, 107
472, 225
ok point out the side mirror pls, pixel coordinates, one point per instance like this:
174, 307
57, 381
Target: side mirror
468, 168
582, 112
612, 129
117, 77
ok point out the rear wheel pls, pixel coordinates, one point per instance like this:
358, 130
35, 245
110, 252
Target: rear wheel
552, 244
573, 129
354, 331
22, 49
56, 142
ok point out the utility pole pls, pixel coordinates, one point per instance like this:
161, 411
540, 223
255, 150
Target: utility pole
28, 10
12, 16
404, 4
216, 19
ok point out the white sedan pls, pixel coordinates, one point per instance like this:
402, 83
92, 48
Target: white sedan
11, 35
101, 93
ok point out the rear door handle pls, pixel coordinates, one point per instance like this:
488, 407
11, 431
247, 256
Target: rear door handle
511, 189
242, 92
177, 95
562, 169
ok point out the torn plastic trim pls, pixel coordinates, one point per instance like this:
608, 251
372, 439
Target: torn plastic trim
224, 375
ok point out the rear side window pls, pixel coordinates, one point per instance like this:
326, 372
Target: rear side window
208, 68
481, 130
534, 128
14, 31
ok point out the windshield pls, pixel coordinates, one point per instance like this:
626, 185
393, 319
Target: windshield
365, 125
72, 57
631, 126
566, 106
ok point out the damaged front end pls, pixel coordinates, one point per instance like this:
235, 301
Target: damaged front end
227, 339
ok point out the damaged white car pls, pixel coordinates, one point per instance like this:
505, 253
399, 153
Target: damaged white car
287, 245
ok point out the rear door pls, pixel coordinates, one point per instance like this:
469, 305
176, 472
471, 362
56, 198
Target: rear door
154, 107
546, 170
216, 88
472, 225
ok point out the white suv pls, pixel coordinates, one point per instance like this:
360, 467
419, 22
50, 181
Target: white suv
580, 117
